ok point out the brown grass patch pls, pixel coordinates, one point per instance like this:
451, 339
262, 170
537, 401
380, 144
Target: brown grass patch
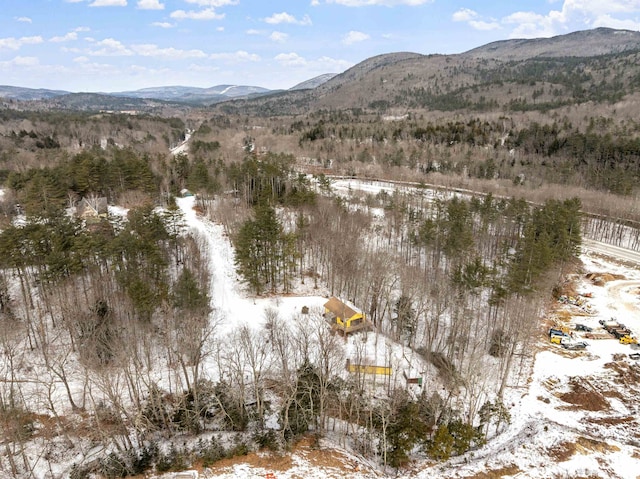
511, 470
563, 315
612, 421
626, 373
267, 461
586, 446
568, 288
307, 448
565, 450
584, 396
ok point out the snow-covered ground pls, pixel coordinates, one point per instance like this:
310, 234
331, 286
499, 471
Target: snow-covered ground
233, 306
182, 147
575, 417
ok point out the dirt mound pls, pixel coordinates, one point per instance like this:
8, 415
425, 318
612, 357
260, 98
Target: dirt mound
268, 461
584, 396
600, 279
627, 374
583, 445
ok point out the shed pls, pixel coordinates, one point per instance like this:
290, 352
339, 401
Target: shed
92, 207
344, 317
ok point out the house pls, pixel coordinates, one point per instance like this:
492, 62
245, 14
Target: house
344, 317
92, 208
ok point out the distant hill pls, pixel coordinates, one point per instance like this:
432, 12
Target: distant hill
599, 65
101, 102
19, 93
588, 43
143, 99
193, 94
511, 75
313, 82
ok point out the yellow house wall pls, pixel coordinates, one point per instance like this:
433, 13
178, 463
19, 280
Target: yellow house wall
365, 369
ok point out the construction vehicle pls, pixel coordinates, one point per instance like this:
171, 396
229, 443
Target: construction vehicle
558, 332
582, 327
628, 340
556, 339
620, 332
575, 346
606, 323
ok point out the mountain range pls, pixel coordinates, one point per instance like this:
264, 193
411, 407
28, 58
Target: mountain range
518, 73
181, 94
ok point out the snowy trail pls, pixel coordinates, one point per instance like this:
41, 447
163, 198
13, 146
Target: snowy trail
233, 306
218, 250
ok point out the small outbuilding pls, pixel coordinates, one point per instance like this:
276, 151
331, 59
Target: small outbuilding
93, 208
345, 317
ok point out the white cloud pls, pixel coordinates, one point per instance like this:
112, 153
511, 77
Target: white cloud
608, 21
321, 65
110, 47
315, 3
150, 5
69, 37
464, 15
482, 25
206, 14
163, 24
574, 14
279, 37
151, 50
23, 19
213, 3
284, 17
12, 43
203, 68
239, 56
21, 62
108, 3
82, 29
253, 31
81, 59
328, 64
355, 37
384, 3
530, 25
290, 60
471, 17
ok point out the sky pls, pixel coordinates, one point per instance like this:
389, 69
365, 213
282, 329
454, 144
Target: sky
120, 45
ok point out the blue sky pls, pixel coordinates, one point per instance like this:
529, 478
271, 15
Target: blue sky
115, 45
